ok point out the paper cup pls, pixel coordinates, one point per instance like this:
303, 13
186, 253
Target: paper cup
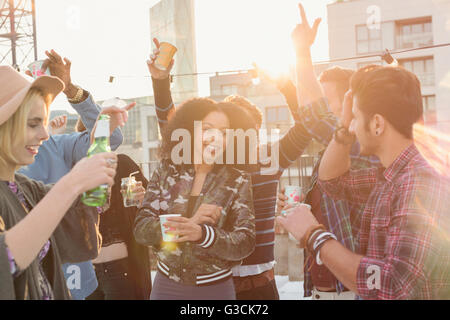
293, 193
167, 235
166, 53
35, 69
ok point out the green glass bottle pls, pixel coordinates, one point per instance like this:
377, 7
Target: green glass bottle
97, 197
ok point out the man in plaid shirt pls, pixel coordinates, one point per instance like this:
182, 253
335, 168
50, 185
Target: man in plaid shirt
404, 236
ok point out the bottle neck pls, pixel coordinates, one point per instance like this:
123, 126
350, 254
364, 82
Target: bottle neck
102, 130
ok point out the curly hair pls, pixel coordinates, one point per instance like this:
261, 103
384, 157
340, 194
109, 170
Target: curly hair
248, 106
197, 109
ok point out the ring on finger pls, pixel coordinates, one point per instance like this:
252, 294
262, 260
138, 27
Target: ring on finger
111, 162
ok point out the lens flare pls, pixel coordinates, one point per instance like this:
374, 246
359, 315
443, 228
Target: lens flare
434, 146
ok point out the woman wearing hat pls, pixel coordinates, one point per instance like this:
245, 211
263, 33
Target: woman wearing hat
40, 224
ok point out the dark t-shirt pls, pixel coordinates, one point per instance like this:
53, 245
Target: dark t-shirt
320, 275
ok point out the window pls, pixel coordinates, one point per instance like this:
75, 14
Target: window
367, 40
152, 128
429, 109
276, 115
230, 89
414, 34
422, 67
429, 103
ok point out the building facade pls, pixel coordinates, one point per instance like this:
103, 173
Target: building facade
173, 21
276, 116
366, 27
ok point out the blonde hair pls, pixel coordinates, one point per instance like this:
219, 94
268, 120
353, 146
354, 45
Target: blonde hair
15, 128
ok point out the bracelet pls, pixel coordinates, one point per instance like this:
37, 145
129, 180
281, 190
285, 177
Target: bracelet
319, 242
313, 237
312, 240
77, 98
304, 241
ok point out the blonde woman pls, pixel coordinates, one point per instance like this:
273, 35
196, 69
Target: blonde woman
41, 226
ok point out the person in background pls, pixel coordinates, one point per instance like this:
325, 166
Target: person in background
123, 265
57, 125
254, 278
404, 246
197, 265
61, 152
326, 95
41, 226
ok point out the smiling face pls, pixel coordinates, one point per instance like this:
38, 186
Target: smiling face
25, 150
212, 133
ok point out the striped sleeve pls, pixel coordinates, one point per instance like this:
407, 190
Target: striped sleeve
163, 100
318, 120
313, 121
208, 237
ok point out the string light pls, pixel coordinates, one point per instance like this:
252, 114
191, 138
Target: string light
385, 55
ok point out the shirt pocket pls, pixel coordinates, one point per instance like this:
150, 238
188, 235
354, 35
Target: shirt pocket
379, 231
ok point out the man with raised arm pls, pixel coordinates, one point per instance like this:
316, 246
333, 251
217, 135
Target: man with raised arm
404, 246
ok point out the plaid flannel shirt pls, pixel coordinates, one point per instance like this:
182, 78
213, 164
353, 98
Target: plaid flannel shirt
342, 218
405, 228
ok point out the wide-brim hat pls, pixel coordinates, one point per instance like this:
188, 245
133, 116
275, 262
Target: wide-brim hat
14, 86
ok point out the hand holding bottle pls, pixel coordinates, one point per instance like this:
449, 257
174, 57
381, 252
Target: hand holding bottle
91, 172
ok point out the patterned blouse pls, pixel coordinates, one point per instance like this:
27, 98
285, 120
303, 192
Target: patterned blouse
44, 284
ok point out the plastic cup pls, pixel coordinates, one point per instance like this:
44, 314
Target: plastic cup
166, 53
293, 193
127, 185
167, 235
35, 69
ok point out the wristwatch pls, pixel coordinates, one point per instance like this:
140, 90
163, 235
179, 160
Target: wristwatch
343, 136
78, 96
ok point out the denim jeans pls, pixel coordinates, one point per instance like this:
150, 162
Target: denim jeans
114, 282
80, 279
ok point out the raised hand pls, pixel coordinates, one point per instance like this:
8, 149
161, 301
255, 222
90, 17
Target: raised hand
347, 113
303, 35
60, 68
155, 72
58, 125
118, 117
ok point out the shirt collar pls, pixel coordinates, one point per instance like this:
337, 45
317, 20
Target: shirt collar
400, 162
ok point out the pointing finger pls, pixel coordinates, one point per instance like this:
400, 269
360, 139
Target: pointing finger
316, 27
130, 106
303, 14
156, 42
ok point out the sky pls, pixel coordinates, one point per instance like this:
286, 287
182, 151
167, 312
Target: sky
106, 38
